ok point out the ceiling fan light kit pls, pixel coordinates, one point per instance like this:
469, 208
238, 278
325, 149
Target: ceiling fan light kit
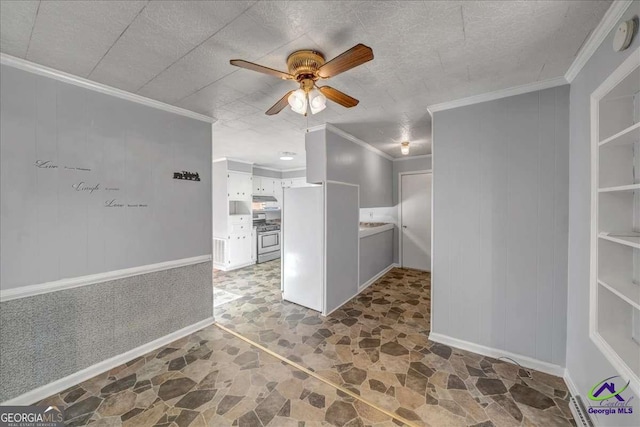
307, 67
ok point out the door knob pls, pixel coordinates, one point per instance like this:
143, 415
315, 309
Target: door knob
404, 226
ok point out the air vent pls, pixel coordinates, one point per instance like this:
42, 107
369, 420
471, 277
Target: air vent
579, 413
218, 251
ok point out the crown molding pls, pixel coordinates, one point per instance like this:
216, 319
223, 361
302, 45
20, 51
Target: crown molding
597, 36
502, 93
230, 159
294, 169
346, 135
422, 156
41, 70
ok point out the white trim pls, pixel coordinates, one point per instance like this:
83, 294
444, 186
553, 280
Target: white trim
502, 93
233, 267
422, 156
573, 389
230, 159
41, 70
525, 361
76, 282
400, 175
346, 135
294, 169
371, 281
606, 24
57, 386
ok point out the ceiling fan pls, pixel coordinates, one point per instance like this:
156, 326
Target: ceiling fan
307, 67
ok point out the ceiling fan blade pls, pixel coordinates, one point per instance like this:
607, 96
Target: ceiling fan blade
338, 97
279, 106
357, 55
259, 68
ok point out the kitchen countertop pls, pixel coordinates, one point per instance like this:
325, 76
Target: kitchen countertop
371, 228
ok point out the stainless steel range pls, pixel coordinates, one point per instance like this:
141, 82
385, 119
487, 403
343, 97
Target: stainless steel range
268, 234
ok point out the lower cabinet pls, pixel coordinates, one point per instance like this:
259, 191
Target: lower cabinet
240, 249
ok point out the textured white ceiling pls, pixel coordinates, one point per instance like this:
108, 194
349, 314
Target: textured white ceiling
426, 52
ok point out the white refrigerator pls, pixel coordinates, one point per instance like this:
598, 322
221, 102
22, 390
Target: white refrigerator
303, 246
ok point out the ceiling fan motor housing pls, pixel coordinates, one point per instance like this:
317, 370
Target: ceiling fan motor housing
304, 64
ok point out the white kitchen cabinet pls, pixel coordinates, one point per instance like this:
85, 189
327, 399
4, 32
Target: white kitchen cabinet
232, 217
265, 186
239, 250
239, 186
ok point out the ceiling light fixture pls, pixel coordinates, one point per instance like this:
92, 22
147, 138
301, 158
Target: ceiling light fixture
298, 101
286, 155
317, 101
307, 96
404, 148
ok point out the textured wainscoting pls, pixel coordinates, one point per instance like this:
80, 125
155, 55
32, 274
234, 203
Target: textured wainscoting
47, 337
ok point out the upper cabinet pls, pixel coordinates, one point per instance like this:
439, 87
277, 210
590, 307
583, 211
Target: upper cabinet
264, 186
239, 186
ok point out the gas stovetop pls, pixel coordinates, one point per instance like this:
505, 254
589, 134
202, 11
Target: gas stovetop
268, 227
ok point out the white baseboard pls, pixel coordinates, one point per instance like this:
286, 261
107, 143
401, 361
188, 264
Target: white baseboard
57, 386
364, 286
573, 389
525, 361
376, 277
222, 267
92, 279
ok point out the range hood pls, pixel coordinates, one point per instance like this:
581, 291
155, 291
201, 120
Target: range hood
263, 199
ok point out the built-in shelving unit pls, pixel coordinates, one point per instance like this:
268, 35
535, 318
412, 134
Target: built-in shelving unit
615, 241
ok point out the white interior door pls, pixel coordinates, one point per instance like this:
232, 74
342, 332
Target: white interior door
415, 199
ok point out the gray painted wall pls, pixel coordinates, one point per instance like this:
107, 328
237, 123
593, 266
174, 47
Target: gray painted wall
266, 172
49, 230
352, 163
50, 336
500, 223
294, 174
335, 158
376, 254
239, 166
585, 363
342, 240
316, 156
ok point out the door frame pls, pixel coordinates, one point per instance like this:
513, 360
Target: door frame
400, 175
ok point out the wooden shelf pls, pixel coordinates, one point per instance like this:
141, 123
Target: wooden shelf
630, 238
630, 187
627, 136
628, 291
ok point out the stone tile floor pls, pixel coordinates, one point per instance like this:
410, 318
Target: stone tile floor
211, 378
376, 345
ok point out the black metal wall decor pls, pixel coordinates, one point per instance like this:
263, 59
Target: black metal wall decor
189, 176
